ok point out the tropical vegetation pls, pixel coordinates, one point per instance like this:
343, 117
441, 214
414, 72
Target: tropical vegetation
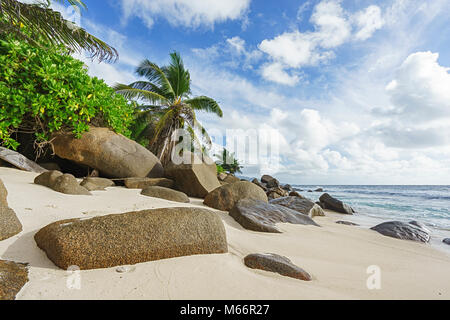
37, 21
167, 105
228, 163
45, 90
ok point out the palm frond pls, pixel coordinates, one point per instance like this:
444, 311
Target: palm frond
205, 104
44, 23
178, 76
131, 93
147, 86
156, 75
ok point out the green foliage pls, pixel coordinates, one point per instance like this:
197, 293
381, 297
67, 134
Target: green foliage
220, 169
228, 162
43, 91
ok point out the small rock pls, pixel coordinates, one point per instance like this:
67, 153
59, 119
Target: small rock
318, 190
446, 241
295, 194
142, 183
301, 205
165, 193
278, 264
63, 183
94, 183
404, 231
328, 202
221, 176
347, 223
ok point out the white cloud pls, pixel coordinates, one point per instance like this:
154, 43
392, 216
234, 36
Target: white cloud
333, 27
276, 72
368, 21
187, 13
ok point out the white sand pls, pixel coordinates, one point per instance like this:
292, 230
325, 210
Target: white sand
337, 256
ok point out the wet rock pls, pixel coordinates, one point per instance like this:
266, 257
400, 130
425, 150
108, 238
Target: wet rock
402, 230
142, 183
225, 197
114, 155
261, 216
446, 241
165, 193
133, 237
13, 276
20, 161
301, 205
9, 223
347, 223
94, 183
318, 190
330, 203
276, 263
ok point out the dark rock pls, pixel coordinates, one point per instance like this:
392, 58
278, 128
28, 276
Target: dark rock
51, 166
261, 216
133, 237
347, 223
225, 197
295, 194
328, 202
142, 183
276, 263
301, 205
266, 178
9, 223
63, 183
19, 161
165, 193
197, 178
404, 231
318, 190
310, 191
420, 225
446, 241
95, 183
13, 276
114, 155
287, 187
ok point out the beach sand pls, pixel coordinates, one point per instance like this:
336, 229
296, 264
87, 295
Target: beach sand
337, 256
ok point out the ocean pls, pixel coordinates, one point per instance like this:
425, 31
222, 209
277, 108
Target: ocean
375, 204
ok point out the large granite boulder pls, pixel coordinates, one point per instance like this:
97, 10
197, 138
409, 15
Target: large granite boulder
225, 197
19, 161
13, 276
133, 237
276, 263
95, 183
114, 155
301, 205
402, 230
165, 193
63, 183
142, 183
261, 216
328, 202
231, 179
9, 223
194, 177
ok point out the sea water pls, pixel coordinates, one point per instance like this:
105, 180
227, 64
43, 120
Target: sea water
375, 204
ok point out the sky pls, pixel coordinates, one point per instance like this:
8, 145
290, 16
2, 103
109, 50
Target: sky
349, 92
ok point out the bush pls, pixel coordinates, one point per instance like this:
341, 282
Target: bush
45, 90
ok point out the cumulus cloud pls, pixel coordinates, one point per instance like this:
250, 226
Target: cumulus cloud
333, 26
187, 13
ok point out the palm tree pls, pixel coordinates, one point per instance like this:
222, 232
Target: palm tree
228, 162
37, 22
170, 105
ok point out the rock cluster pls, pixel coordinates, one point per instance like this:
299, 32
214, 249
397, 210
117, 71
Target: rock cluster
59, 182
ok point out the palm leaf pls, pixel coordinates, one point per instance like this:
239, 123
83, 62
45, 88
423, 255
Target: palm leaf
178, 76
155, 75
43, 23
205, 104
131, 93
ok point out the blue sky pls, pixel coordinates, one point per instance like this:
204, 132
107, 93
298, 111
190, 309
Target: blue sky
355, 92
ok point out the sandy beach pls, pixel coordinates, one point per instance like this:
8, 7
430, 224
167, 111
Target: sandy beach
337, 256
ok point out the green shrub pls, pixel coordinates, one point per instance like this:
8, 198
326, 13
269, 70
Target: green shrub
45, 90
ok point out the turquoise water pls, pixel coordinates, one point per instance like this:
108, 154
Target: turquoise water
374, 204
